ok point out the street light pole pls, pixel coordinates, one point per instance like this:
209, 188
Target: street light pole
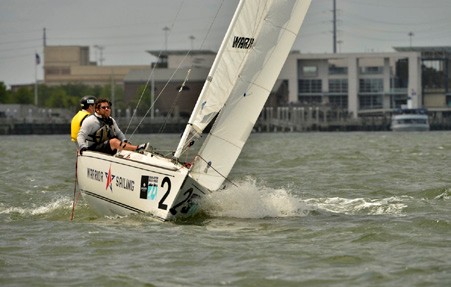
410, 36
192, 41
166, 30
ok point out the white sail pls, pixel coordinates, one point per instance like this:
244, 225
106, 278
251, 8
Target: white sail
248, 63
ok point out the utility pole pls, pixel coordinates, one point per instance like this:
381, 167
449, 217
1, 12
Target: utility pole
36, 63
44, 38
335, 26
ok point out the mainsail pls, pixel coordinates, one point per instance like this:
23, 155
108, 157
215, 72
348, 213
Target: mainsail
243, 74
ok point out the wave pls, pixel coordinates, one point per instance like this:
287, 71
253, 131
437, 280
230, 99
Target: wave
37, 210
57, 209
392, 205
251, 200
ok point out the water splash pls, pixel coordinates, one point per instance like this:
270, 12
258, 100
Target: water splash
249, 200
252, 200
444, 195
392, 205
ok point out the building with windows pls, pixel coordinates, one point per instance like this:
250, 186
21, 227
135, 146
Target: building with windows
358, 84
72, 65
435, 74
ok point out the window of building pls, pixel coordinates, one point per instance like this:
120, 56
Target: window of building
310, 92
433, 76
309, 71
370, 101
310, 86
162, 62
310, 100
338, 66
334, 70
50, 71
396, 101
401, 76
448, 100
371, 85
371, 70
338, 101
338, 86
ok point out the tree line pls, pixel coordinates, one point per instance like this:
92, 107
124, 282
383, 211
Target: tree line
64, 96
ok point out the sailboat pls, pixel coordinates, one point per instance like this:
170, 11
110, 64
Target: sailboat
249, 60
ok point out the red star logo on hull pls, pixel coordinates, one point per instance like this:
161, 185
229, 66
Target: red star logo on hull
109, 179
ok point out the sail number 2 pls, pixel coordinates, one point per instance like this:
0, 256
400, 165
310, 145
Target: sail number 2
162, 205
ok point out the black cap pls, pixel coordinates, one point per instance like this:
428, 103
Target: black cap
86, 101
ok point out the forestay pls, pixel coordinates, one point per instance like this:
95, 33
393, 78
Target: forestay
247, 65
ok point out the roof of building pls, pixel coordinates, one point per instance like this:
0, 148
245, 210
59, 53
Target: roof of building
446, 49
429, 53
142, 75
157, 53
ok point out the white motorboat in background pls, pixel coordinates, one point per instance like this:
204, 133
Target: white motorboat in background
410, 120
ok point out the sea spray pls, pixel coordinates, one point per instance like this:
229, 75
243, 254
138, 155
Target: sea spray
251, 200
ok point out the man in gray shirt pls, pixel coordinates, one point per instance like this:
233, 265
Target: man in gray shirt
100, 132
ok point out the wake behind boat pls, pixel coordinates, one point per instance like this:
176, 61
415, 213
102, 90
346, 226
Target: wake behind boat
250, 58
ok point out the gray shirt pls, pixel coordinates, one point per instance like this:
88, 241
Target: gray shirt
92, 124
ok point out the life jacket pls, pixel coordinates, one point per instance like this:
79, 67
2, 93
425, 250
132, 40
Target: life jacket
105, 132
76, 122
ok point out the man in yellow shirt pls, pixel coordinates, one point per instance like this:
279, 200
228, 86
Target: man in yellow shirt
87, 107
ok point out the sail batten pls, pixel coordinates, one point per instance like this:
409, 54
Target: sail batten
243, 74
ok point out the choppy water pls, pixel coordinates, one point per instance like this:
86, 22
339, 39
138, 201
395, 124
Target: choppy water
310, 209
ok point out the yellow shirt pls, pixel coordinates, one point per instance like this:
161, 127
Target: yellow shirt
76, 124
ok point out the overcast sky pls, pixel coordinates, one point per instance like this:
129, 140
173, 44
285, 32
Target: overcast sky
126, 29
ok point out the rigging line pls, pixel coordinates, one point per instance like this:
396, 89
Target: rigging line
139, 101
211, 25
211, 166
188, 141
163, 126
148, 80
153, 69
159, 94
189, 51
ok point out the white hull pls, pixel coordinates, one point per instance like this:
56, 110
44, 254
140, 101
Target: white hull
410, 122
410, 128
131, 182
